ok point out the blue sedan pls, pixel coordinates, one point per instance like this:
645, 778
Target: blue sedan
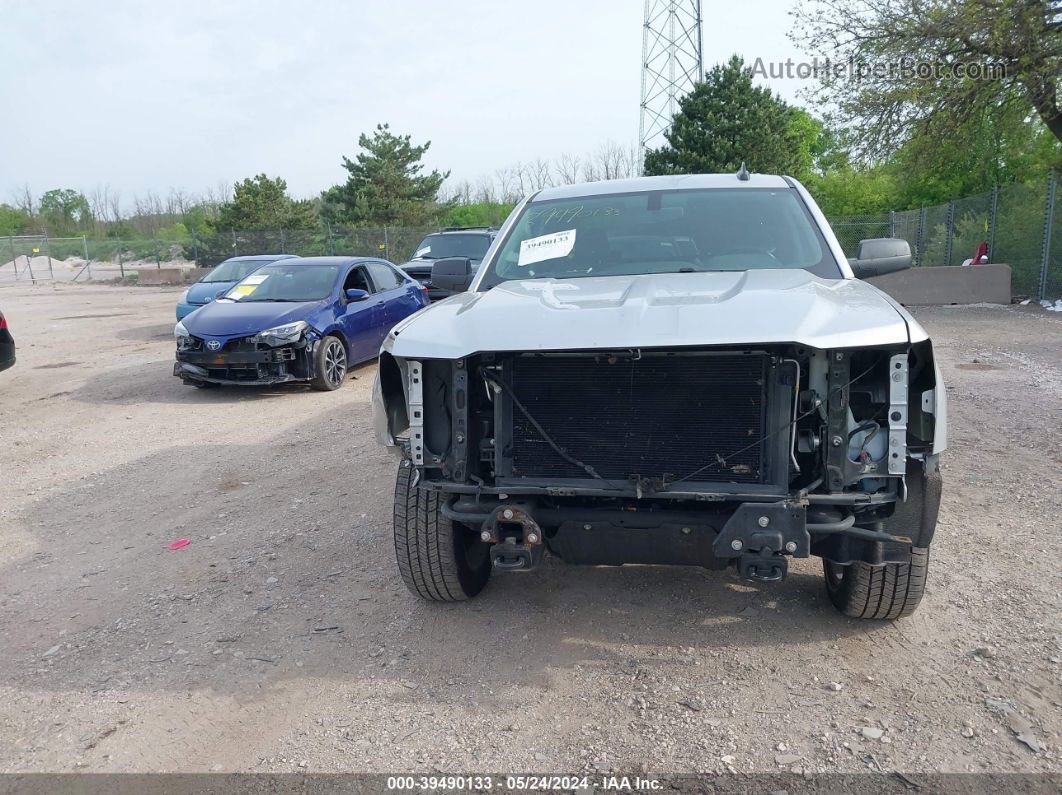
304, 319
223, 277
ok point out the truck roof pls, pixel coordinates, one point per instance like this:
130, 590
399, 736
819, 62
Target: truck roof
668, 182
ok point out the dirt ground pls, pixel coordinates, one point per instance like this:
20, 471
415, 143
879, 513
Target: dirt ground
282, 639
39, 268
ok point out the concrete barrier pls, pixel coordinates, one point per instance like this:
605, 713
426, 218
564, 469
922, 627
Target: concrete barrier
160, 276
974, 284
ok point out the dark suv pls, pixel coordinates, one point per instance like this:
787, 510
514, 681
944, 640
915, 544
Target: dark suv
469, 242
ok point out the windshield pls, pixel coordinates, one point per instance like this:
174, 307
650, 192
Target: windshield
682, 231
450, 245
233, 270
286, 283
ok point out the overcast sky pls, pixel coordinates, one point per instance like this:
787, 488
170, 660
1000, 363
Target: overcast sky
149, 95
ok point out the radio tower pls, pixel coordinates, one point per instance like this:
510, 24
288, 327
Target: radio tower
671, 64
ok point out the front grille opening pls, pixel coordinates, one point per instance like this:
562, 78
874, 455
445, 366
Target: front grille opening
658, 416
235, 373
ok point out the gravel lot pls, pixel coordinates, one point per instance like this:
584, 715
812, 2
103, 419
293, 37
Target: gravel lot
282, 639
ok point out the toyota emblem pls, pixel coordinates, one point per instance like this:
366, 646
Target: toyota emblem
214, 345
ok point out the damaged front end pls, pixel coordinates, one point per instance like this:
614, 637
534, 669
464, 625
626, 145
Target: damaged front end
273, 356
712, 456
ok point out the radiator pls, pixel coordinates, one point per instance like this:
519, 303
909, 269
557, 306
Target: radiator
658, 416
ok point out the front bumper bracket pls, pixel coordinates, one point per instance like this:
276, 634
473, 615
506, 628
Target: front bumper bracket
761, 536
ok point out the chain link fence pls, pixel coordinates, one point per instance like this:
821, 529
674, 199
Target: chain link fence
39, 258
394, 243
1021, 225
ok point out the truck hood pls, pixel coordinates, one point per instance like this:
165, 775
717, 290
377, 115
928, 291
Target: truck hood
654, 311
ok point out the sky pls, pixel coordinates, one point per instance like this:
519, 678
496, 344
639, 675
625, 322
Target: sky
145, 96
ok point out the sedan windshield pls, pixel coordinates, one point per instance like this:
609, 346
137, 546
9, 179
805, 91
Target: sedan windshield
451, 245
234, 270
680, 231
286, 283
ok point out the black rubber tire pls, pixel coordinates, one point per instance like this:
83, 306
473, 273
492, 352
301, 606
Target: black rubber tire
324, 371
439, 560
882, 592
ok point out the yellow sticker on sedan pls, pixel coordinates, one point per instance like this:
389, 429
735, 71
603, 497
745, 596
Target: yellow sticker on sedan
242, 291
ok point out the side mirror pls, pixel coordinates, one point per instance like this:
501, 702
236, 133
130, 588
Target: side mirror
452, 273
881, 255
356, 295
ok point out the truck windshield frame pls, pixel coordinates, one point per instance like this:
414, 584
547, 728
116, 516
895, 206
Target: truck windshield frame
668, 231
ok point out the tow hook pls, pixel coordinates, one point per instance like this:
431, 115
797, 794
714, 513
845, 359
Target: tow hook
514, 536
511, 556
763, 567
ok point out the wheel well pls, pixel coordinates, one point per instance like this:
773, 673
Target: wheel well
343, 342
394, 394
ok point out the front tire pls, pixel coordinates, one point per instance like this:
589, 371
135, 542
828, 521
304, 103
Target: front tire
439, 560
882, 592
329, 365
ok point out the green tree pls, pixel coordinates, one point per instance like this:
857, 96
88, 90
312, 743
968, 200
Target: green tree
386, 184
14, 221
727, 120
262, 203
332, 206
1018, 42
199, 220
64, 211
813, 145
996, 147
303, 214
846, 190
477, 214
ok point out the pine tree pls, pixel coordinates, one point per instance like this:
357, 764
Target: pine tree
726, 121
385, 184
263, 203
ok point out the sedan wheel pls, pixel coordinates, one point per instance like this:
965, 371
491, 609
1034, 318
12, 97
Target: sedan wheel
330, 365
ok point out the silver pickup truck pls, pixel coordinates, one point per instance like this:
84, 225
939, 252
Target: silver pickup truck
677, 370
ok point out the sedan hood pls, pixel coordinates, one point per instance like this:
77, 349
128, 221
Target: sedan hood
654, 311
204, 292
243, 318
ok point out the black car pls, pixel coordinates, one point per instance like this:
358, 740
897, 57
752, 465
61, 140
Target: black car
470, 242
7, 344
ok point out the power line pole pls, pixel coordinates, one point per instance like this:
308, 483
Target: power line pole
671, 64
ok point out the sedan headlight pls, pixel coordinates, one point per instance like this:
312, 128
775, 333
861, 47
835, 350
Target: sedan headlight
184, 296
179, 331
282, 335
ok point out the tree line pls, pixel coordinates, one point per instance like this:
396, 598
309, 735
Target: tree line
880, 140
386, 185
